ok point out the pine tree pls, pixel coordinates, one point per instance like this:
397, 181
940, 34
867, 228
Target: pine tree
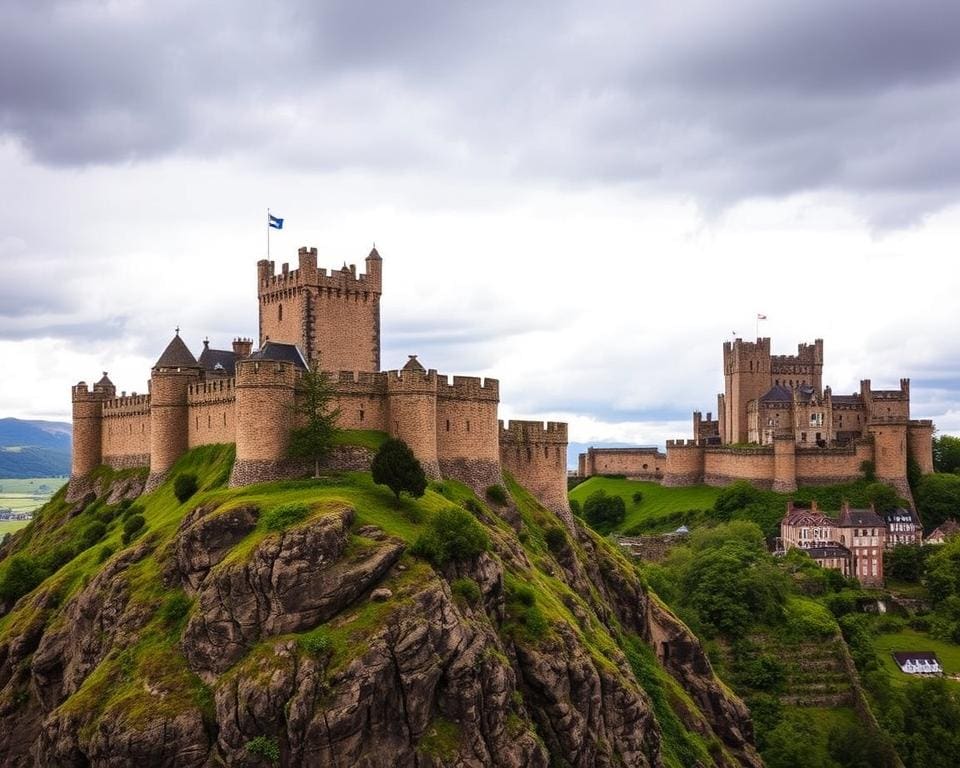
314, 409
396, 467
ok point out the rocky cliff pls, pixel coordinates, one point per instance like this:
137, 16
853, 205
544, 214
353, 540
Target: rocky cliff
290, 624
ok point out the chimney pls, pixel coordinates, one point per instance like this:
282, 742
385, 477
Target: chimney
242, 347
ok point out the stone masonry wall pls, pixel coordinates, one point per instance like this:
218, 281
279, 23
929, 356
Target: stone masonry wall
125, 434
211, 412
640, 463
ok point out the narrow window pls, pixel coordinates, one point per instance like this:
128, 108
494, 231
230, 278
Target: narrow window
209, 420
448, 425
468, 425
196, 422
361, 414
224, 418
280, 312
546, 452
529, 456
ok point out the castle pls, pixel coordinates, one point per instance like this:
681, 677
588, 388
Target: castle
779, 427
247, 397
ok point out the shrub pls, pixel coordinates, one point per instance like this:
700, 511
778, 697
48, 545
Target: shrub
556, 539
279, 518
174, 609
23, 574
522, 608
184, 486
133, 527
91, 535
453, 534
637, 497
869, 470
317, 642
264, 747
467, 590
604, 513
497, 494
131, 510
575, 508
107, 514
396, 467
105, 554
523, 594
54, 559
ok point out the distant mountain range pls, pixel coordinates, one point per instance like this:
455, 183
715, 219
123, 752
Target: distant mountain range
34, 448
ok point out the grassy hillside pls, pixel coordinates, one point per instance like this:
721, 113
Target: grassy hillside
658, 502
64, 550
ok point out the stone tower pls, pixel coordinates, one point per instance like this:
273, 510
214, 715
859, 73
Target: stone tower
746, 374
170, 379
334, 317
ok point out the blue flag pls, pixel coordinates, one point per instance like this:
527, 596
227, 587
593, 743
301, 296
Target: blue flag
274, 222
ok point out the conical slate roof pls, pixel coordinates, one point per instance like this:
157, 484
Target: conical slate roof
104, 382
374, 254
176, 355
413, 364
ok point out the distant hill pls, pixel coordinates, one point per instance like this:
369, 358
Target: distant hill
34, 448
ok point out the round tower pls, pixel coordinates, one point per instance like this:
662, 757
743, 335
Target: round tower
890, 453
412, 409
265, 396
784, 464
468, 440
536, 455
87, 430
170, 379
920, 436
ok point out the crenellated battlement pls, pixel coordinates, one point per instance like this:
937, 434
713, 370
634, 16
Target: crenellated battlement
212, 391
412, 380
253, 373
680, 443
308, 274
522, 432
126, 405
468, 388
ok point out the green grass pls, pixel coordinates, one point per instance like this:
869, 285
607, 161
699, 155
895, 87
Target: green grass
910, 640
11, 526
31, 485
363, 438
657, 500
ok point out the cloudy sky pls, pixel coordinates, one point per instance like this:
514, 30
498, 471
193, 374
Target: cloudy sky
584, 200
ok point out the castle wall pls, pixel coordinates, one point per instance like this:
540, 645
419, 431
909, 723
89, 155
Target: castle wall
890, 454
361, 398
468, 435
125, 434
640, 463
211, 415
685, 463
723, 466
829, 466
282, 314
536, 455
784, 464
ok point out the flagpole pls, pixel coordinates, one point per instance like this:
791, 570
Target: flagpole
268, 234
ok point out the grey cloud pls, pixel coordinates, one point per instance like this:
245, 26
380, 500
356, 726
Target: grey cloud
756, 100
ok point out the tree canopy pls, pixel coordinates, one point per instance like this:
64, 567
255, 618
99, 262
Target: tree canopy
314, 410
396, 467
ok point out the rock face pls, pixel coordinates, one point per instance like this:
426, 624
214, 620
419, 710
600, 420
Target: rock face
327, 645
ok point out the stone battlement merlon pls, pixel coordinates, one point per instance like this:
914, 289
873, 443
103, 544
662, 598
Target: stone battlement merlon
681, 443
468, 388
515, 431
214, 391
126, 404
652, 449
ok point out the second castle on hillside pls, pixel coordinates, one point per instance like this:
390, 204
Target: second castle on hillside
246, 397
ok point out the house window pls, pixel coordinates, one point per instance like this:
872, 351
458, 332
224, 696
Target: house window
803, 437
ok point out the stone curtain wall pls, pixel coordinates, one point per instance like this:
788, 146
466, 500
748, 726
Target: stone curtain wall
638, 463
211, 415
125, 432
536, 455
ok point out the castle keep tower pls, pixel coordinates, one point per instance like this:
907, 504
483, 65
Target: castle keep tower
87, 453
334, 317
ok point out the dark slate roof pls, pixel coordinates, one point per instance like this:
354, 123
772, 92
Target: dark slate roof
374, 254
897, 515
176, 355
275, 350
104, 382
850, 518
777, 393
413, 364
902, 657
805, 393
821, 553
845, 399
210, 359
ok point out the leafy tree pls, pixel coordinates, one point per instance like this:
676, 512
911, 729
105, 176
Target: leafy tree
602, 512
938, 499
314, 407
23, 574
946, 453
931, 725
905, 563
396, 467
184, 486
735, 497
883, 497
869, 470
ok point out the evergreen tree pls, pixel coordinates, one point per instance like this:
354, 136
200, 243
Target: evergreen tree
396, 467
314, 408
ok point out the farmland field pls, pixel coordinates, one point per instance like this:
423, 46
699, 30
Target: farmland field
25, 495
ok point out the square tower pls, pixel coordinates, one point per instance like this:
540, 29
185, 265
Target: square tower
333, 317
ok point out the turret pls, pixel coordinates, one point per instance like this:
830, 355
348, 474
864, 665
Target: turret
242, 347
536, 455
87, 430
412, 412
374, 266
170, 380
